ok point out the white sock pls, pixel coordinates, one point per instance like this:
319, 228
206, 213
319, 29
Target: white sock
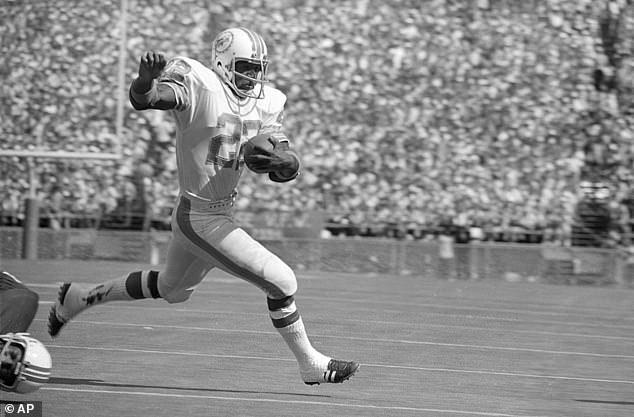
136, 285
288, 322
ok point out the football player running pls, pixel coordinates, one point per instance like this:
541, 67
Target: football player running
216, 111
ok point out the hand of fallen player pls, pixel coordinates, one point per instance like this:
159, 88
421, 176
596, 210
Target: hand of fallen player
151, 65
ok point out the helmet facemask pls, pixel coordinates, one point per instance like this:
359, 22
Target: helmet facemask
247, 75
11, 354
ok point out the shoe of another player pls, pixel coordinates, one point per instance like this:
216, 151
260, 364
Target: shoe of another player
67, 306
337, 372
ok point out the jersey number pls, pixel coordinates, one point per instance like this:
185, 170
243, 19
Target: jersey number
224, 148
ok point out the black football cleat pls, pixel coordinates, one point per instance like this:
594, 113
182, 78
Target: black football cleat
55, 317
337, 372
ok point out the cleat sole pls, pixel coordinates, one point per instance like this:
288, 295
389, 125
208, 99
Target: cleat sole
61, 295
55, 324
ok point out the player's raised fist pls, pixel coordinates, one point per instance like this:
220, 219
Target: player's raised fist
151, 65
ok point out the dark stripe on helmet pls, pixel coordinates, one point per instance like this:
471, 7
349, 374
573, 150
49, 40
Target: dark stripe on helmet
263, 51
36, 368
31, 375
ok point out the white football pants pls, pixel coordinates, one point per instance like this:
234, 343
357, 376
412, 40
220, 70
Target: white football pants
203, 239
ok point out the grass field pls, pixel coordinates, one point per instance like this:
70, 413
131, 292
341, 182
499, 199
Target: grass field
428, 347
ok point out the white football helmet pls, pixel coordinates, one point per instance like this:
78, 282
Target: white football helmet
25, 363
241, 46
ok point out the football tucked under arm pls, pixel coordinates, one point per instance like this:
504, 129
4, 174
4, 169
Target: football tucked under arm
271, 153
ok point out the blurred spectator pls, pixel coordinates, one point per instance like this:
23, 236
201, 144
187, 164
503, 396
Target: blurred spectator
410, 116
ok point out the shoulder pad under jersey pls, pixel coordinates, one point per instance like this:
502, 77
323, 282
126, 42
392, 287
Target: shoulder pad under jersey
273, 101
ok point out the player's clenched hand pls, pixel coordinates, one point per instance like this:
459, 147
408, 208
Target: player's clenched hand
151, 65
269, 153
264, 160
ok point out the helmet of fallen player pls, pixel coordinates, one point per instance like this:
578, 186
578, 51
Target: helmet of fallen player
25, 363
240, 58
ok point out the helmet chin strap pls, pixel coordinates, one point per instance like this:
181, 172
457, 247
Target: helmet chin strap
244, 93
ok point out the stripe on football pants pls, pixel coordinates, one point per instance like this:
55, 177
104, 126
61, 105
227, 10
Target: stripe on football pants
182, 219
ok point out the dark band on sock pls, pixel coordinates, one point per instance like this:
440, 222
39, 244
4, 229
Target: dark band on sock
279, 304
133, 285
152, 284
286, 321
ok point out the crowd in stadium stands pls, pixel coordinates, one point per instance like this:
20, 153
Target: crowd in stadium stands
409, 115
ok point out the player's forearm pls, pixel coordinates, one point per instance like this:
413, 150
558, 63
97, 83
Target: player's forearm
141, 85
143, 93
149, 94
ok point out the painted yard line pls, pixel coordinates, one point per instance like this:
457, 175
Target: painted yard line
116, 306
503, 373
498, 329
363, 339
540, 322
119, 306
450, 299
510, 303
343, 301
567, 323
375, 365
277, 401
619, 315
454, 298
616, 316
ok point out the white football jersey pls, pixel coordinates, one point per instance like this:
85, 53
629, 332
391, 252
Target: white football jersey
212, 124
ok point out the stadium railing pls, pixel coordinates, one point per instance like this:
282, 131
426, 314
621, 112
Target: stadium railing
440, 258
